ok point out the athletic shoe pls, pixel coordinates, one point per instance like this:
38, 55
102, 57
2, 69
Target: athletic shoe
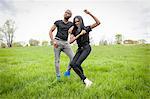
58, 78
88, 83
67, 74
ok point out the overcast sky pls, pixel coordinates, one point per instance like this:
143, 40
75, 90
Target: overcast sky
34, 18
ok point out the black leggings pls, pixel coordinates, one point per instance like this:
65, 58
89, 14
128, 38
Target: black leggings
80, 56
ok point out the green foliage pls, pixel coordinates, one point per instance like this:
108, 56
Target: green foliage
33, 42
118, 38
117, 72
103, 42
3, 45
17, 44
44, 43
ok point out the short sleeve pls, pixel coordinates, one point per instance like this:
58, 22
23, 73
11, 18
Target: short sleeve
56, 23
88, 29
71, 24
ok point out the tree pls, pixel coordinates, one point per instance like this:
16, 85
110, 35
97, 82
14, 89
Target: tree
2, 45
44, 43
103, 42
33, 42
1, 37
141, 41
91, 41
17, 44
7, 32
118, 38
51, 42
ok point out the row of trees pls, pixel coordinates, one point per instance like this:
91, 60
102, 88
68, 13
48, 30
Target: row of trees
120, 41
32, 42
8, 29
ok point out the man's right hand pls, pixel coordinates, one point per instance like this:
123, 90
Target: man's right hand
55, 44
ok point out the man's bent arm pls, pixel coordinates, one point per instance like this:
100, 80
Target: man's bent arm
51, 32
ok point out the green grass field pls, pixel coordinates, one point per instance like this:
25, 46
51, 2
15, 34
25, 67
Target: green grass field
117, 71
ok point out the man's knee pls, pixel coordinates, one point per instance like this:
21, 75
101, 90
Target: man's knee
71, 56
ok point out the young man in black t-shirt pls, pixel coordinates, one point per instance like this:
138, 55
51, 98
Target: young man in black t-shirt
60, 41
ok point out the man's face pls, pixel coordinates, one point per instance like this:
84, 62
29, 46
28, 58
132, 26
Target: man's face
67, 14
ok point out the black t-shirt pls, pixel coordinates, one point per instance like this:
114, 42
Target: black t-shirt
62, 29
83, 39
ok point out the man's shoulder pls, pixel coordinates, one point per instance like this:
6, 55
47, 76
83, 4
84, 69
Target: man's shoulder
58, 21
70, 22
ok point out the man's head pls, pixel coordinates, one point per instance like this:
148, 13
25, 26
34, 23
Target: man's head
67, 14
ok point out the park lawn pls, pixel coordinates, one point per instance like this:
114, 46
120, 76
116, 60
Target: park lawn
117, 71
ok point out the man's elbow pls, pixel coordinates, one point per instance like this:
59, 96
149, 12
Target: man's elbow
50, 32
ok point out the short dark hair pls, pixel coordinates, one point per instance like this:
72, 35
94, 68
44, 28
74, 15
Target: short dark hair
69, 11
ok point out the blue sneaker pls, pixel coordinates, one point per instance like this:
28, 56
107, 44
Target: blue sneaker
67, 74
58, 78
